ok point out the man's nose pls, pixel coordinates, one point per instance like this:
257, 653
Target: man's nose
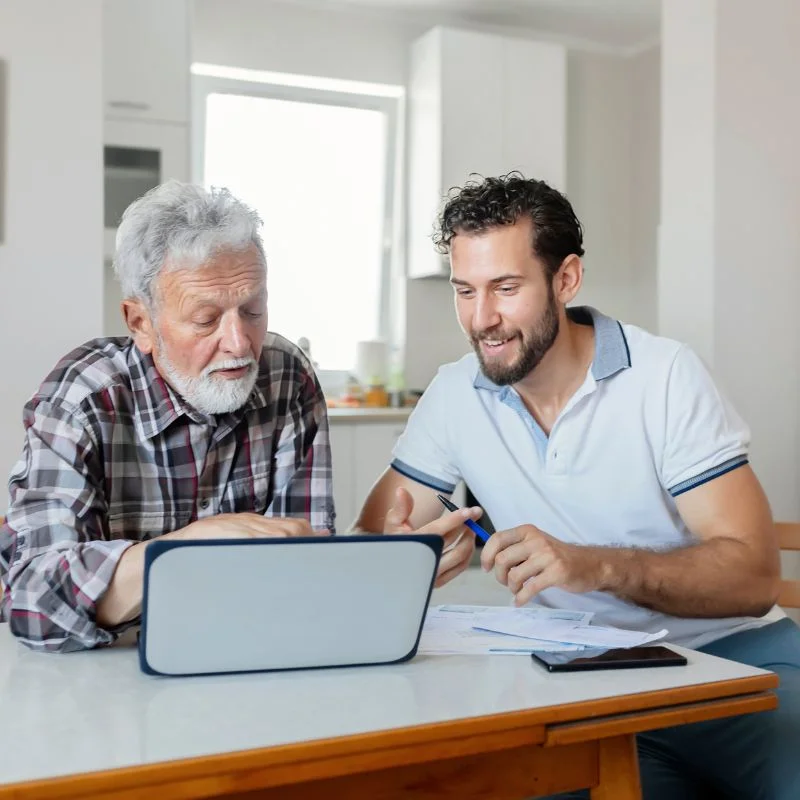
485, 315
234, 339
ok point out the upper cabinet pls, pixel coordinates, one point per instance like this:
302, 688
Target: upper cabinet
146, 85
146, 60
479, 103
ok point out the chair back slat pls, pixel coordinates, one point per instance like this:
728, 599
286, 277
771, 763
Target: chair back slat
788, 535
789, 540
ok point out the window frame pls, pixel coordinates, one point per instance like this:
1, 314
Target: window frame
390, 101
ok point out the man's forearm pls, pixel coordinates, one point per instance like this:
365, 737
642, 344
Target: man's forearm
720, 577
122, 600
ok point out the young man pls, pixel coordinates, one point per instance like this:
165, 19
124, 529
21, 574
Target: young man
614, 470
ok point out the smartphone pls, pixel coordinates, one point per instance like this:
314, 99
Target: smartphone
632, 657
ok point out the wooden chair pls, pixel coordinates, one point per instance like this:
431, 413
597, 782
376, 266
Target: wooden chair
789, 539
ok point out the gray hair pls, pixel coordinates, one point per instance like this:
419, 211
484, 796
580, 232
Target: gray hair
182, 225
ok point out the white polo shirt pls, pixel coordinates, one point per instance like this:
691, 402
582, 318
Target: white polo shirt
646, 425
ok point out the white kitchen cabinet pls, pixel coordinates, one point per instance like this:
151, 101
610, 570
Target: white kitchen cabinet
479, 103
372, 448
146, 59
361, 450
343, 459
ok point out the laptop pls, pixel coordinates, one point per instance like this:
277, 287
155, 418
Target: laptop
244, 605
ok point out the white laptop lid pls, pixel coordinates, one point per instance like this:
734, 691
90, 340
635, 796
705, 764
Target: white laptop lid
266, 604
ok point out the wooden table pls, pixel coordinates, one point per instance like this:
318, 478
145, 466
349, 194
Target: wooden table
91, 725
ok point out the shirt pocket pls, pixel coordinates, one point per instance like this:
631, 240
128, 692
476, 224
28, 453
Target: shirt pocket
253, 494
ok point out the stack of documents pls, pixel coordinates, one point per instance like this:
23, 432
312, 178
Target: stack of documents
470, 630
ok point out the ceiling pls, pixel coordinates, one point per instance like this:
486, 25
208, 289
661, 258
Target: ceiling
623, 24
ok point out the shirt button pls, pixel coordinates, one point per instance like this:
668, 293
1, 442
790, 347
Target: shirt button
204, 503
555, 454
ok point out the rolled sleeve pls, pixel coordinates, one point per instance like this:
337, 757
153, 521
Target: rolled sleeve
705, 436
55, 556
423, 452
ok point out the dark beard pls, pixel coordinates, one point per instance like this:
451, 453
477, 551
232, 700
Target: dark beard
534, 347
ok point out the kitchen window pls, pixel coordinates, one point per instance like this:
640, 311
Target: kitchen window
317, 160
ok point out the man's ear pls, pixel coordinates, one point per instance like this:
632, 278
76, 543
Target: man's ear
568, 280
140, 324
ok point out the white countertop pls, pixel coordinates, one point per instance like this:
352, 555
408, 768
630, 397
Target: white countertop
84, 712
369, 414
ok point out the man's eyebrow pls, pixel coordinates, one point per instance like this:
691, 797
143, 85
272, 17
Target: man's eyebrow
500, 279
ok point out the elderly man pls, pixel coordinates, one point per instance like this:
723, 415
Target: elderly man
201, 425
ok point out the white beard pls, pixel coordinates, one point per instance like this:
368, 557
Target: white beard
208, 394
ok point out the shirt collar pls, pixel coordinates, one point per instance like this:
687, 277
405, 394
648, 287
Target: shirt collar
611, 351
158, 405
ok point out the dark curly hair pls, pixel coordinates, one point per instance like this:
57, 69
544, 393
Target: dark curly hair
491, 202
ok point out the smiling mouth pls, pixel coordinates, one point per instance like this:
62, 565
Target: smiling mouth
496, 345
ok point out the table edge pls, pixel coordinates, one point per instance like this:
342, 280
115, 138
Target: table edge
527, 726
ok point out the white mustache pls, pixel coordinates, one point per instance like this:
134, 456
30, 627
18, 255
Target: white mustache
233, 363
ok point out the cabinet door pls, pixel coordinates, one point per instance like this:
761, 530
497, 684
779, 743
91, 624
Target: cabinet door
424, 154
473, 106
146, 59
536, 70
374, 442
342, 456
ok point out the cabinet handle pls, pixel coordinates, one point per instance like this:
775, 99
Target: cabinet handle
129, 104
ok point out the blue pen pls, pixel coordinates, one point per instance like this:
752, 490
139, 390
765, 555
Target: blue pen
473, 526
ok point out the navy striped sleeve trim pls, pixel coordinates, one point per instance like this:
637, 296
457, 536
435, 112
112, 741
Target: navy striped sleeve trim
423, 478
709, 475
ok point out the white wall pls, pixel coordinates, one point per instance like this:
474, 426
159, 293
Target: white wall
729, 265
645, 74
757, 237
613, 178
686, 239
599, 175
51, 255
259, 34
605, 177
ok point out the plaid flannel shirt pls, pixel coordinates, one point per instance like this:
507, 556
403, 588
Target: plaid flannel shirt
113, 456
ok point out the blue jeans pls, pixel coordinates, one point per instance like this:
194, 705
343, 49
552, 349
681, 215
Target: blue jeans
752, 757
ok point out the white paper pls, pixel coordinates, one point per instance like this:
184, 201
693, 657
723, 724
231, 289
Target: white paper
450, 630
525, 612
567, 633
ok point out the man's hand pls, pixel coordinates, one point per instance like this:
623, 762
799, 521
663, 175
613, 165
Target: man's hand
459, 541
528, 560
246, 525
